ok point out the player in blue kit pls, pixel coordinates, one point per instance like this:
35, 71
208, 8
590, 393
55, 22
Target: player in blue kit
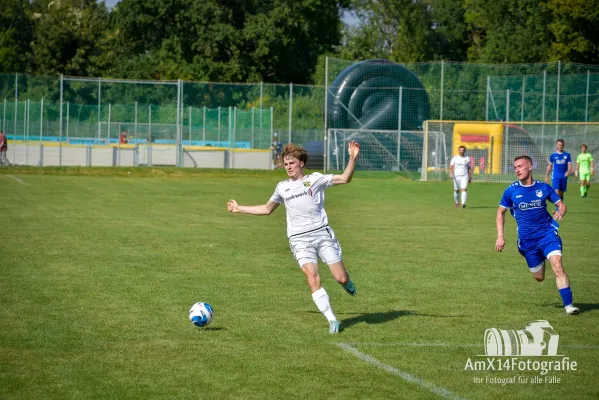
538, 240
561, 163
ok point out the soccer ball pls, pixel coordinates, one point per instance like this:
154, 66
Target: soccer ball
200, 314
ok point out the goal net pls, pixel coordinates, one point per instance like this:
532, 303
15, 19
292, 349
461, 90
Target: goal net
492, 146
380, 150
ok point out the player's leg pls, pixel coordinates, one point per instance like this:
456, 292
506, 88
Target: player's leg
582, 186
586, 183
464, 195
456, 191
534, 258
329, 251
563, 283
538, 272
306, 258
552, 248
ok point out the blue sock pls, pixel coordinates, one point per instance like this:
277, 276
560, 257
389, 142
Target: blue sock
566, 294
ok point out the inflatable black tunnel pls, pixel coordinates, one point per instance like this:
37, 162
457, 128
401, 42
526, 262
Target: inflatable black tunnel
366, 96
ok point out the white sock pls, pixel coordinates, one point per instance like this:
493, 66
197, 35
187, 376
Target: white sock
464, 197
321, 298
455, 197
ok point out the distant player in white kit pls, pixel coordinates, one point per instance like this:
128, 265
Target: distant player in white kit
308, 230
460, 170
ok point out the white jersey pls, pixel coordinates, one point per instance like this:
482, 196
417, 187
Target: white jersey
304, 202
461, 165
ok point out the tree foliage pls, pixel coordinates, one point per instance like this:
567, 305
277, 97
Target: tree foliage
282, 41
15, 35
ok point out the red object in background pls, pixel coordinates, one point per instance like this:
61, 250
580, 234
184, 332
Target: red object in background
481, 163
475, 138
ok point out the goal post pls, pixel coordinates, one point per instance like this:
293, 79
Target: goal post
493, 145
380, 150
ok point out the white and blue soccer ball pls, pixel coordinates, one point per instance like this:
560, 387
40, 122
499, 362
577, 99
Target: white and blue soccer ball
200, 314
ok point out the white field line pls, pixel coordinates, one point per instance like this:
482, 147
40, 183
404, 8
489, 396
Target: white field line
481, 345
446, 394
18, 180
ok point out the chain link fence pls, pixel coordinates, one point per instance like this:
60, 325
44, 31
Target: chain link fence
370, 95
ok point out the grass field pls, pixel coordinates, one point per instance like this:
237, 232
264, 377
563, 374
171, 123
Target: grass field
98, 270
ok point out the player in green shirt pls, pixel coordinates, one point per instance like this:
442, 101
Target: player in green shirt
585, 168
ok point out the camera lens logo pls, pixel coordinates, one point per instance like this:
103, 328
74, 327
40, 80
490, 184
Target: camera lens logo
538, 338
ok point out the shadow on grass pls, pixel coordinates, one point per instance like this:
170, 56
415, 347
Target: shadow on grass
583, 307
383, 317
376, 318
207, 328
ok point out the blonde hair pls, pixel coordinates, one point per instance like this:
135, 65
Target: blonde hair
295, 151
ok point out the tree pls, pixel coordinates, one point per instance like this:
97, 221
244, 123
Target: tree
273, 41
15, 35
508, 31
72, 40
575, 26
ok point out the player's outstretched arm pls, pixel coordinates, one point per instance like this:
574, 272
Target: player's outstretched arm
264, 209
500, 222
353, 150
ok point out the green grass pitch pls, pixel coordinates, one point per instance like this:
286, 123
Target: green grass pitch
98, 269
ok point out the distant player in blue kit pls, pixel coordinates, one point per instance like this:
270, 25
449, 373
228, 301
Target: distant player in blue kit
538, 240
561, 163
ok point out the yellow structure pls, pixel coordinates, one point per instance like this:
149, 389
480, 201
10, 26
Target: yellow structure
485, 137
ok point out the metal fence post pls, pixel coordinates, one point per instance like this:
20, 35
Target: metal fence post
41, 163
178, 126
487, 98
543, 113
253, 109
399, 123
150, 125
234, 135
506, 129
290, 111
261, 96
586, 105
218, 137
441, 101
108, 124
326, 112
14, 132
204, 127
99, 108
60, 122
522, 101
26, 130
559, 68
68, 114
135, 122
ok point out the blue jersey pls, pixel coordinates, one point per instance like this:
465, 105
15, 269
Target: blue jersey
560, 161
527, 204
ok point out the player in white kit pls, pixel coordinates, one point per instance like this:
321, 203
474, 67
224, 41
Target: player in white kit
308, 230
460, 170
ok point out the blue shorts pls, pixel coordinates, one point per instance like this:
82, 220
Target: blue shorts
559, 183
536, 251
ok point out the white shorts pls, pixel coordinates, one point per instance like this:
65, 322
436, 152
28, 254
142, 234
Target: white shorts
321, 243
460, 182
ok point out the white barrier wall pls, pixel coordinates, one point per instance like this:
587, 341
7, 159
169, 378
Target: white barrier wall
130, 156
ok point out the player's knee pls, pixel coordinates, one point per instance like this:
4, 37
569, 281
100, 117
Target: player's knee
342, 278
539, 278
